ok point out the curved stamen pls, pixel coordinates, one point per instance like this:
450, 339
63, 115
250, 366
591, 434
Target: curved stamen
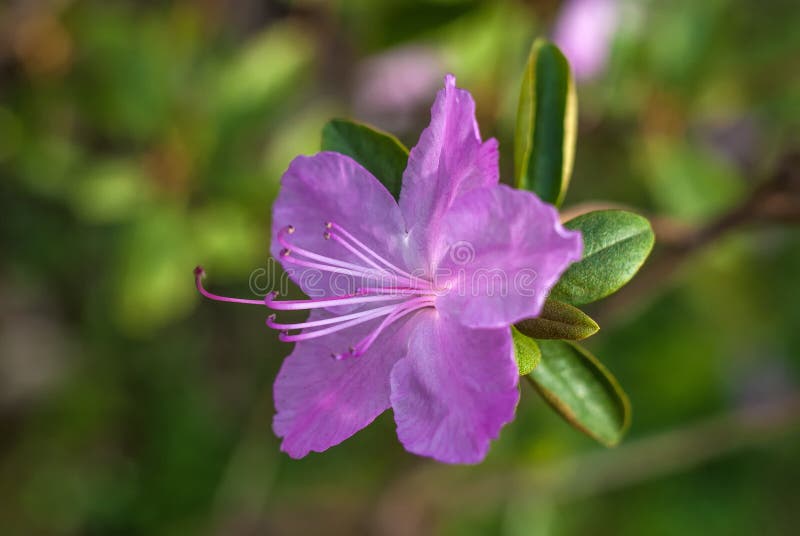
287, 257
400, 311
289, 229
324, 322
299, 305
404, 292
366, 249
328, 264
307, 335
397, 291
363, 345
199, 274
339, 240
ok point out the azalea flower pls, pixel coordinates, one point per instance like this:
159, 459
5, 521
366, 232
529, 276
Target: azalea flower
585, 31
411, 301
391, 87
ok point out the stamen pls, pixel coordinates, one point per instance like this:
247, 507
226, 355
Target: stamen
307, 335
310, 254
363, 345
400, 311
199, 274
324, 322
328, 236
290, 249
405, 293
364, 272
337, 266
396, 291
299, 305
369, 251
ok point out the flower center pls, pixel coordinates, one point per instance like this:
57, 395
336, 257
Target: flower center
392, 291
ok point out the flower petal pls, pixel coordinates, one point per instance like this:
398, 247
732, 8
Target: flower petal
448, 160
502, 250
319, 401
331, 187
454, 390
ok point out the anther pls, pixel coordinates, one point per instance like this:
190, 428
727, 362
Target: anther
326, 235
285, 252
328, 225
290, 229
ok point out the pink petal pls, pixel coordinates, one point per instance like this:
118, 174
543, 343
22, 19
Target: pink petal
333, 187
502, 250
455, 390
320, 401
448, 160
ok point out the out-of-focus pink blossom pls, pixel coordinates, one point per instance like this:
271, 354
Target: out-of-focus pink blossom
393, 86
584, 31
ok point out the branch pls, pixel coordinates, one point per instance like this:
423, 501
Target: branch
775, 200
412, 505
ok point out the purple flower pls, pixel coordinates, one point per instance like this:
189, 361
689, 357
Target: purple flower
584, 31
413, 300
391, 87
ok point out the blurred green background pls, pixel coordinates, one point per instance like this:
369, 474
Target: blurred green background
140, 138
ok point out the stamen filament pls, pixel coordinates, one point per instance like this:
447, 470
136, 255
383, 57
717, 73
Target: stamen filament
287, 257
199, 274
307, 335
339, 240
357, 242
299, 305
324, 322
365, 343
397, 291
405, 292
400, 311
314, 256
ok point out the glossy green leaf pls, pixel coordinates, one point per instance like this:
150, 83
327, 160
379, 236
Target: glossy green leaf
615, 245
559, 320
526, 352
582, 391
381, 153
544, 140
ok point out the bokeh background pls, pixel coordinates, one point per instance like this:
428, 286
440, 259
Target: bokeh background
140, 138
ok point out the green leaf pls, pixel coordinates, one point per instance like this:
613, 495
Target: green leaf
381, 153
559, 321
582, 391
615, 245
526, 352
544, 141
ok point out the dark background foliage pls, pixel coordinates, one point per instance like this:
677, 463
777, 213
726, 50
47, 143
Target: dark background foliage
138, 139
